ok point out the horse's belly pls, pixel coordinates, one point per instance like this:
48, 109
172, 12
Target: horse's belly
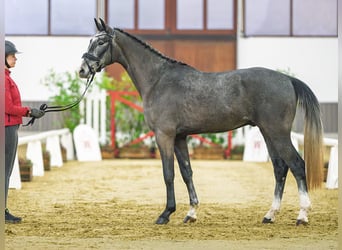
213, 121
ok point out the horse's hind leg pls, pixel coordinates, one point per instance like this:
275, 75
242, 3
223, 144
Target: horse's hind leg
182, 154
297, 167
285, 156
280, 173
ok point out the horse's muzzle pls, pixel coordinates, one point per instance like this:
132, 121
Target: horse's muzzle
85, 70
83, 73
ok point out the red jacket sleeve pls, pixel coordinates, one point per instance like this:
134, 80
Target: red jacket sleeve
13, 104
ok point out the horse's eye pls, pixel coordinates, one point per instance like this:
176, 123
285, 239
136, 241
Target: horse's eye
101, 42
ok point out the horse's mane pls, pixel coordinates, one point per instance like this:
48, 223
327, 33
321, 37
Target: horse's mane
149, 47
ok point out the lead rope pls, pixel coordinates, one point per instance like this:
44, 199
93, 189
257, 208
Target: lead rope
47, 108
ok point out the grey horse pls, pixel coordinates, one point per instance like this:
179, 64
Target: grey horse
179, 100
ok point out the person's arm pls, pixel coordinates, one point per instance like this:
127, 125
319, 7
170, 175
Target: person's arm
10, 107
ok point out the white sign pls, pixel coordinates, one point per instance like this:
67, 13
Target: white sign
86, 144
255, 146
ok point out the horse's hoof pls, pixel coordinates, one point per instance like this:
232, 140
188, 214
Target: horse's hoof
267, 221
301, 222
189, 219
162, 220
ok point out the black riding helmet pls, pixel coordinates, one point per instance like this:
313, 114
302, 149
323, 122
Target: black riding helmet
10, 49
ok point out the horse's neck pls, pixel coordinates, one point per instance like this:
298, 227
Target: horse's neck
141, 63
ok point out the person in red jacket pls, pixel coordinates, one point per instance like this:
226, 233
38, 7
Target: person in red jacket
14, 111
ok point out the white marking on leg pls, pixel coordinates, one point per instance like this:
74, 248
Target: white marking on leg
192, 212
274, 209
305, 206
191, 215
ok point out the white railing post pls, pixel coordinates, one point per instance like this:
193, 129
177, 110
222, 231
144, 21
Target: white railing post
81, 107
94, 108
35, 154
103, 117
96, 113
67, 143
332, 176
15, 179
54, 147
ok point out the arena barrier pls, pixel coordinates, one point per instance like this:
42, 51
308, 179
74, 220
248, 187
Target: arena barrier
53, 139
93, 112
332, 177
256, 151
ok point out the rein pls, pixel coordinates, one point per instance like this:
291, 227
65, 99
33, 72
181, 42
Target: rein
59, 108
90, 57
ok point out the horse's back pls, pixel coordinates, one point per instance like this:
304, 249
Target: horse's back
260, 96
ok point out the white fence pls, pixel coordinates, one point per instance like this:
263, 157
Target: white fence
256, 151
94, 111
53, 139
332, 177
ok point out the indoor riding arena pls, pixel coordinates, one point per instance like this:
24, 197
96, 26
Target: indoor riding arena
249, 80
113, 204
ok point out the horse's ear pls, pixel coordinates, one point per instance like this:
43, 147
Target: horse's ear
108, 29
104, 25
98, 25
102, 22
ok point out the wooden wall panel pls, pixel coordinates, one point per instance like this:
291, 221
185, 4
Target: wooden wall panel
210, 56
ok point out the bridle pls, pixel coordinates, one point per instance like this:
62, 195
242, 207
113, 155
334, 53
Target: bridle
97, 59
87, 56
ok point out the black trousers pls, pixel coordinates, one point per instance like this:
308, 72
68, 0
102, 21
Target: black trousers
11, 144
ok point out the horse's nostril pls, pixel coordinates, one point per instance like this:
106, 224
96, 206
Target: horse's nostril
81, 72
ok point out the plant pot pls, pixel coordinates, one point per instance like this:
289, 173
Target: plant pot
236, 157
325, 171
64, 154
208, 153
237, 153
25, 168
46, 160
107, 152
135, 152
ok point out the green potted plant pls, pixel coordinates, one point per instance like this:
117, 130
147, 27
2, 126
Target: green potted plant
67, 87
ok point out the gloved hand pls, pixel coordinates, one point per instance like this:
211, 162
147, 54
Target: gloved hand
37, 113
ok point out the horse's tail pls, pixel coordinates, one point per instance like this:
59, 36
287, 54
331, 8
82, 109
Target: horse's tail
313, 134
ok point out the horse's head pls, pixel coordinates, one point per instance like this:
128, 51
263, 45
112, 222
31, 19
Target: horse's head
99, 53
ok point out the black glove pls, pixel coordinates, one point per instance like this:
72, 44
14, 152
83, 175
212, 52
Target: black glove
36, 113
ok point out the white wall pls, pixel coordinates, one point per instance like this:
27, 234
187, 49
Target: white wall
313, 60
40, 54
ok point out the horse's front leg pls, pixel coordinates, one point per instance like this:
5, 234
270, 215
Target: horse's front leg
182, 154
166, 148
